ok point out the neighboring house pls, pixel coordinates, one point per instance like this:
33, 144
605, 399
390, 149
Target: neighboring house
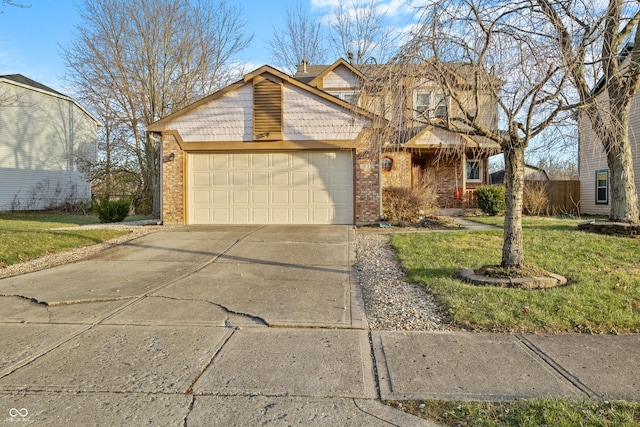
306, 149
269, 149
531, 173
45, 138
593, 168
454, 164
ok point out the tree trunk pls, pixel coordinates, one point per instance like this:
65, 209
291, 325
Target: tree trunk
513, 246
624, 196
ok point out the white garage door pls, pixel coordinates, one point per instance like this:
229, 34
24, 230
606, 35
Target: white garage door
305, 187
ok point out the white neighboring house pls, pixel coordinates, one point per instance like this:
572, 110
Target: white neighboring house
45, 137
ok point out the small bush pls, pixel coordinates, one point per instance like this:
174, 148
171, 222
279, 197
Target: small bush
535, 200
490, 199
401, 204
111, 210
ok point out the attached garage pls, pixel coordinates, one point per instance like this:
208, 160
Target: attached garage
299, 187
269, 149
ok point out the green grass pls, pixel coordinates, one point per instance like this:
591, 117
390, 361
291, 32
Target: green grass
603, 294
532, 412
25, 236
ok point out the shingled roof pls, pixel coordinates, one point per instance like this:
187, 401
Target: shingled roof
19, 78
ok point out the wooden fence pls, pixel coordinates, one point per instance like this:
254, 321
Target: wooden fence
563, 196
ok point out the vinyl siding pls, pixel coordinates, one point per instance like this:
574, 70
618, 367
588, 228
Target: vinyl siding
340, 78
593, 158
42, 138
306, 117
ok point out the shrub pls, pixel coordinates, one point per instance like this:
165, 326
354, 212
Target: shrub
401, 204
111, 210
535, 200
490, 199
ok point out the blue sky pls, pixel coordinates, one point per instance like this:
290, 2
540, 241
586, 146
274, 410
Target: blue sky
30, 38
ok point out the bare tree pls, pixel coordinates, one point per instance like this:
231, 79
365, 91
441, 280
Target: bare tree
149, 58
601, 43
301, 39
359, 33
484, 51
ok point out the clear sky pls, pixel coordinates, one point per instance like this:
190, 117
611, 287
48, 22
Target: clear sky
30, 38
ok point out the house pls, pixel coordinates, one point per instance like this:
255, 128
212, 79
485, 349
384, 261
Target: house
593, 169
454, 164
531, 173
46, 136
313, 148
269, 149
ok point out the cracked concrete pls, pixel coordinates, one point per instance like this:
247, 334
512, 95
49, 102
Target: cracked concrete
177, 328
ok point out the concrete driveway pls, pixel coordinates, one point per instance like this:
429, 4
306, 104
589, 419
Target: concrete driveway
224, 326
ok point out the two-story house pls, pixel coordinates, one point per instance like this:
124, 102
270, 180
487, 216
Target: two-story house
45, 138
410, 100
314, 148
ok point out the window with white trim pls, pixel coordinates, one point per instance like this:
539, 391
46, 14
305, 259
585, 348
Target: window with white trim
350, 96
429, 104
602, 187
474, 171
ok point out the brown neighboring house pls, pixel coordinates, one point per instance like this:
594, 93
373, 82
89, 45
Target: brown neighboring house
455, 164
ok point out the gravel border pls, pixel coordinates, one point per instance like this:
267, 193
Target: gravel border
391, 303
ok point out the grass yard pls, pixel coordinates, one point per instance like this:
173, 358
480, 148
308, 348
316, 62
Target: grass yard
25, 236
526, 413
603, 294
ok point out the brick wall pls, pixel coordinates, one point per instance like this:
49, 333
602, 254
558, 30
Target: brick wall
367, 186
172, 181
400, 173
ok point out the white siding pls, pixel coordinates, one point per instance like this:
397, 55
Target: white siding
228, 118
593, 158
43, 137
309, 117
306, 117
341, 78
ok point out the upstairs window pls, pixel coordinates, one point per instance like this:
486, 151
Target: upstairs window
602, 187
350, 96
429, 104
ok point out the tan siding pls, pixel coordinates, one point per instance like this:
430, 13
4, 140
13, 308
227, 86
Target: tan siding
340, 78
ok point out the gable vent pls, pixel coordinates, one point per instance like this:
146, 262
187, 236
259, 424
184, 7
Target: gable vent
267, 110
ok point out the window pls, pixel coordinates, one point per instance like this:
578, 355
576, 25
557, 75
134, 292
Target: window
474, 171
602, 187
429, 104
386, 164
350, 96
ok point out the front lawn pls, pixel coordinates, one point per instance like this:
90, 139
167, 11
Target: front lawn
25, 236
603, 294
531, 412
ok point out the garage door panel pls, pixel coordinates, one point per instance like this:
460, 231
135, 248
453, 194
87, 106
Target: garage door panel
300, 197
276, 188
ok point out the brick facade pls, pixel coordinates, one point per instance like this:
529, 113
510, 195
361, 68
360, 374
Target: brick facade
367, 186
172, 181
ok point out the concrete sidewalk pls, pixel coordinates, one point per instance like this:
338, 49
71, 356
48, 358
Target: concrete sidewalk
257, 325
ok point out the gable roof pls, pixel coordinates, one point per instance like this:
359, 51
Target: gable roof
161, 124
315, 73
19, 78
26, 82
